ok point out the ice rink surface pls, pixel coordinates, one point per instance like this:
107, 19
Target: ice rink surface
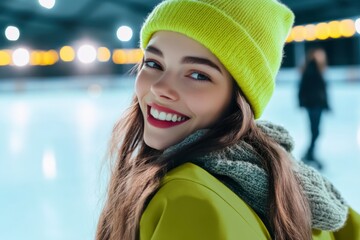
53, 139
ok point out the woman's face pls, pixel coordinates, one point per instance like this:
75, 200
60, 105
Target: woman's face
181, 87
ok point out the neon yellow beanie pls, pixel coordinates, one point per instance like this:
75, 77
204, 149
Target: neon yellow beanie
247, 36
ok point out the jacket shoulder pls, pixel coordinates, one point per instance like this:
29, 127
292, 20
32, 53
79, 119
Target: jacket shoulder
192, 204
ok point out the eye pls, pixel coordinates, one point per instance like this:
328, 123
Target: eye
152, 64
199, 76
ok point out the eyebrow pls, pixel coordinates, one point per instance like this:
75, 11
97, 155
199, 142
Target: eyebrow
187, 59
154, 50
199, 60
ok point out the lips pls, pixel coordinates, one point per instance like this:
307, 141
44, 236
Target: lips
162, 117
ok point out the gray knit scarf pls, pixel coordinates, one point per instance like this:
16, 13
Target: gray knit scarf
238, 168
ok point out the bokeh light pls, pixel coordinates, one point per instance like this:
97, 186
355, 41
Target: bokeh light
36, 58
334, 29
47, 3
103, 54
322, 31
44, 58
67, 54
12, 33
135, 56
130, 56
347, 28
21, 57
86, 54
119, 56
124, 33
52, 57
298, 33
5, 57
357, 25
310, 32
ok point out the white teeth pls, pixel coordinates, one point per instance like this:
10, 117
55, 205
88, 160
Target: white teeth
154, 113
168, 117
163, 116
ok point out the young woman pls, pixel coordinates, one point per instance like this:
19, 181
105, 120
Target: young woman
190, 162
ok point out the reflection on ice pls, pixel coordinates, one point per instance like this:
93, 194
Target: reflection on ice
49, 164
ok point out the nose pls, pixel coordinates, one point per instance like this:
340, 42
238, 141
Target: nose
165, 88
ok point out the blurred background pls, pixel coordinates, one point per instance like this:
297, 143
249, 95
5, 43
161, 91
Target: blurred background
64, 81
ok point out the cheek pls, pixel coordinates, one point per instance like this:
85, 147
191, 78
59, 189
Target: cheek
141, 89
209, 107
141, 85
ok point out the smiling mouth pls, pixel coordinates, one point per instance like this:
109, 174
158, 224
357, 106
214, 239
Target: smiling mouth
164, 118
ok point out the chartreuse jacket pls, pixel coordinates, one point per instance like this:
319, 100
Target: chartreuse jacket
191, 204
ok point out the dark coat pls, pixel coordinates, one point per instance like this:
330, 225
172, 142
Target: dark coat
312, 88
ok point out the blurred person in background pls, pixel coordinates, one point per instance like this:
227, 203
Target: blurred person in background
190, 161
313, 97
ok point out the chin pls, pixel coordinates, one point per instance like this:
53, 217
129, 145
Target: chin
155, 144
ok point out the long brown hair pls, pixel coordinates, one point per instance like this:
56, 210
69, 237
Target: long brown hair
138, 169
